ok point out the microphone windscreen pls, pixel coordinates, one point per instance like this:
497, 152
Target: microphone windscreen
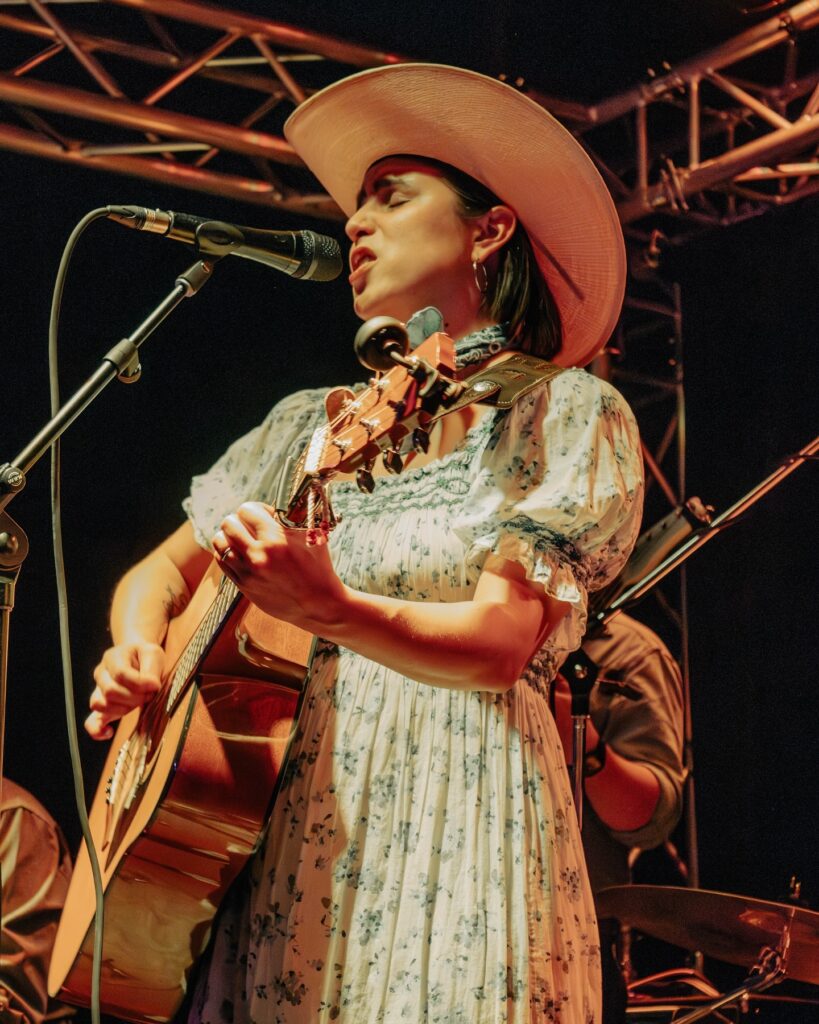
325, 253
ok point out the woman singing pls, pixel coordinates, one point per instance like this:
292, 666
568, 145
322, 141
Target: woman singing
423, 862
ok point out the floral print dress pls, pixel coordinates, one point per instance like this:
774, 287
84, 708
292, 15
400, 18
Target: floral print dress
423, 862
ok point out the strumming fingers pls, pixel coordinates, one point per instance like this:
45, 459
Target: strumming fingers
126, 679
115, 700
221, 546
98, 726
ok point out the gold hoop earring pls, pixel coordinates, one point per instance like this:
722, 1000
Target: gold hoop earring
482, 281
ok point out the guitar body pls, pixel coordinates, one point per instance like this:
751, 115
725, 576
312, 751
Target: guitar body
185, 795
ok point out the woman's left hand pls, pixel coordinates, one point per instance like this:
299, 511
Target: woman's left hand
276, 568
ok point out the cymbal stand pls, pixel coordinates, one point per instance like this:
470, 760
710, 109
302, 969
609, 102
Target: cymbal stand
770, 969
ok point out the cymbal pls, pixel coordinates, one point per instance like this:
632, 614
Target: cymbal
721, 925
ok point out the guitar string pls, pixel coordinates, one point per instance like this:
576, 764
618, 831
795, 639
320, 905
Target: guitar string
205, 632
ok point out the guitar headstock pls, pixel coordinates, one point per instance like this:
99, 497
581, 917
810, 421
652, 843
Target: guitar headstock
389, 418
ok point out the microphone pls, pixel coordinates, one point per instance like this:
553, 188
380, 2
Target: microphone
301, 254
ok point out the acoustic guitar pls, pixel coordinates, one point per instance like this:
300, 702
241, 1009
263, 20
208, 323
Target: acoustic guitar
191, 775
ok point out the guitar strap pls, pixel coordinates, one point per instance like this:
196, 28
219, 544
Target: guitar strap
502, 383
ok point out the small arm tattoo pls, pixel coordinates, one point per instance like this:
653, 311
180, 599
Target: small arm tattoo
175, 602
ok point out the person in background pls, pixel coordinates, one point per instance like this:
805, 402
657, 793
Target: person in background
633, 768
35, 869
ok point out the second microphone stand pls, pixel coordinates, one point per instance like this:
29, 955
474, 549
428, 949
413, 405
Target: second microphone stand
581, 672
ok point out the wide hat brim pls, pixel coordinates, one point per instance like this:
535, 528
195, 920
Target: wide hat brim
504, 140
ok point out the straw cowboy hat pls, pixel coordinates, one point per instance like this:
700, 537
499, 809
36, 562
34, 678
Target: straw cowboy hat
502, 139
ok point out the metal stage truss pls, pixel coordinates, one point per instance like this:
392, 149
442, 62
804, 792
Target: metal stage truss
133, 86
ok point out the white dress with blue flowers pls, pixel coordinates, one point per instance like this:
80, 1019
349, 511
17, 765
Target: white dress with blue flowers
423, 862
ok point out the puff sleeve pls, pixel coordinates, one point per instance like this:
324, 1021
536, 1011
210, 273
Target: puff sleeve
559, 489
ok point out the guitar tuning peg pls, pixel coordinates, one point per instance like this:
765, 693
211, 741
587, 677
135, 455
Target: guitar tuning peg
364, 478
393, 463
420, 440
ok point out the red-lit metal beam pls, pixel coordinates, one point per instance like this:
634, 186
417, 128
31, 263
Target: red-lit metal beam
233, 186
141, 117
222, 19
718, 134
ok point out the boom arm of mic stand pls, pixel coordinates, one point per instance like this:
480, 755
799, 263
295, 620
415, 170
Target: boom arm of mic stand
581, 671
696, 540
120, 360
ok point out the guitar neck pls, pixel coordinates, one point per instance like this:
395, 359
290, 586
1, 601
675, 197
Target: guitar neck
227, 595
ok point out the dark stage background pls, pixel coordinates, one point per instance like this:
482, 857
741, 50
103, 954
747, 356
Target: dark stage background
750, 310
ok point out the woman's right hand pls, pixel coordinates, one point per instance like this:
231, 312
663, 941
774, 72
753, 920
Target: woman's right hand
127, 676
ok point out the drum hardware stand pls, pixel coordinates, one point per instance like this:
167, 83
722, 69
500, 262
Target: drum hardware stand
770, 969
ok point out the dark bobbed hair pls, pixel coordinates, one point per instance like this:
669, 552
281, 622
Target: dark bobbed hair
519, 294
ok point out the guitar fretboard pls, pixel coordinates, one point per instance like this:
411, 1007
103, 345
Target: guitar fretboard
207, 629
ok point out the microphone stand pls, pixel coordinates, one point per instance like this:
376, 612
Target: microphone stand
121, 361
581, 672
13, 552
